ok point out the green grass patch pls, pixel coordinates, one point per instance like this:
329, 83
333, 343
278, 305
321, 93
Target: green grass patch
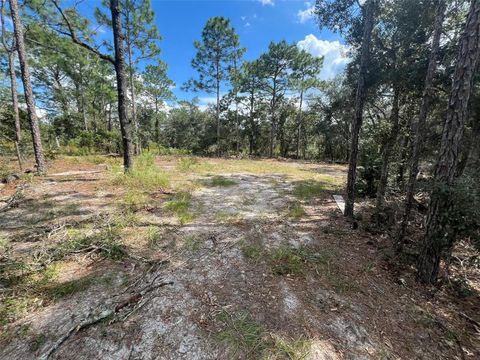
286, 261
242, 334
219, 181
135, 200
251, 251
186, 164
145, 175
192, 243
291, 349
58, 291
306, 190
180, 206
295, 210
154, 236
247, 339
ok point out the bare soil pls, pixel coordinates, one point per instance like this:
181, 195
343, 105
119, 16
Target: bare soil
169, 297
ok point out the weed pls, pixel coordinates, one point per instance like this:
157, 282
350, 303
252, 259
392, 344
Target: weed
37, 342
291, 349
220, 181
3, 244
308, 189
135, 200
295, 210
62, 290
287, 261
251, 251
248, 201
242, 334
186, 163
144, 176
179, 205
192, 243
154, 236
227, 217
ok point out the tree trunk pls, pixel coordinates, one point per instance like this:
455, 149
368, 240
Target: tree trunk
359, 104
27, 86
388, 149
299, 126
217, 109
121, 85
272, 125
157, 122
420, 128
16, 114
252, 124
439, 237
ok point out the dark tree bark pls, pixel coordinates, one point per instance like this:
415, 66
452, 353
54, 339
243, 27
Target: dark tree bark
359, 105
388, 149
121, 85
10, 49
439, 238
217, 108
420, 128
27, 86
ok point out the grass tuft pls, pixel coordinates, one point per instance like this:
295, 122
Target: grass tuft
180, 206
220, 181
287, 261
242, 334
186, 163
306, 190
295, 210
144, 176
251, 251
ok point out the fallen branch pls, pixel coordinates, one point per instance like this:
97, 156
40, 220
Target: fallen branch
130, 302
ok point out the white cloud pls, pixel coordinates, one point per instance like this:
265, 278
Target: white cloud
247, 24
335, 54
267, 2
243, 18
305, 15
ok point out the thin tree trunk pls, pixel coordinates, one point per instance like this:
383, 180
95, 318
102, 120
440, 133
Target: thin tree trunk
420, 128
157, 123
359, 104
252, 124
439, 237
16, 114
27, 86
388, 149
299, 126
272, 125
121, 85
217, 109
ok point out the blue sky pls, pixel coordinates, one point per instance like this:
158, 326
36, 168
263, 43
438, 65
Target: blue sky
257, 22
